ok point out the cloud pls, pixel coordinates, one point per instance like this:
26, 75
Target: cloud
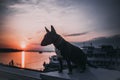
35, 44
106, 14
76, 34
29, 38
5, 11
4, 6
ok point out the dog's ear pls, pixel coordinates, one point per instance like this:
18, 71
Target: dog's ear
47, 30
52, 29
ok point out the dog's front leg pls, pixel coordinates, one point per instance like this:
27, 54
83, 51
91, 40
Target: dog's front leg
60, 65
69, 66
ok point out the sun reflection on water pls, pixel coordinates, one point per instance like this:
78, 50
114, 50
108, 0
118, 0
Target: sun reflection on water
23, 59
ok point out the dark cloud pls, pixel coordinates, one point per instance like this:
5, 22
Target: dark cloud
106, 12
4, 6
5, 11
76, 34
110, 19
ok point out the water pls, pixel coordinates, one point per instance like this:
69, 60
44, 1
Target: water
31, 60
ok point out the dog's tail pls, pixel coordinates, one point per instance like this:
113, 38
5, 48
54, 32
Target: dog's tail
91, 65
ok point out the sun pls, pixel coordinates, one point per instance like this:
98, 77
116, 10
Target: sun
23, 45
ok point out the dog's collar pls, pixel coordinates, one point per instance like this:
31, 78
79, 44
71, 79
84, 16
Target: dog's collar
58, 41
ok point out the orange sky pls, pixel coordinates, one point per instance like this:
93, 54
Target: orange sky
28, 27
25, 25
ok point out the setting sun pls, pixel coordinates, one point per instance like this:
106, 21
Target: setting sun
23, 45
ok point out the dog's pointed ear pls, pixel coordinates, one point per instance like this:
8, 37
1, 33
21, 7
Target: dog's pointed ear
47, 30
52, 29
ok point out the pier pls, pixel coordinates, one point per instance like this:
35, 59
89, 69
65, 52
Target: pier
89, 74
9, 73
12, 73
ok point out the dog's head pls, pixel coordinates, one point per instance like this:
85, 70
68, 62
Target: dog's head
49, 37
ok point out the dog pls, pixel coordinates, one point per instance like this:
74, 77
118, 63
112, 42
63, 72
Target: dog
68, 51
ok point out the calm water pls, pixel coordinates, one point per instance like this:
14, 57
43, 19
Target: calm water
32, 60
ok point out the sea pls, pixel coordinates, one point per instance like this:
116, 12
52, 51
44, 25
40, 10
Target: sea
30, 60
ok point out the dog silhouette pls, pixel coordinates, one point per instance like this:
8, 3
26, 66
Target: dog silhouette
68, 51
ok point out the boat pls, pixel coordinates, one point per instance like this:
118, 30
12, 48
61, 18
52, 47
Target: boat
104, 56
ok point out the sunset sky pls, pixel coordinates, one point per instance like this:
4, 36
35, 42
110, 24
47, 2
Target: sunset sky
22, 21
